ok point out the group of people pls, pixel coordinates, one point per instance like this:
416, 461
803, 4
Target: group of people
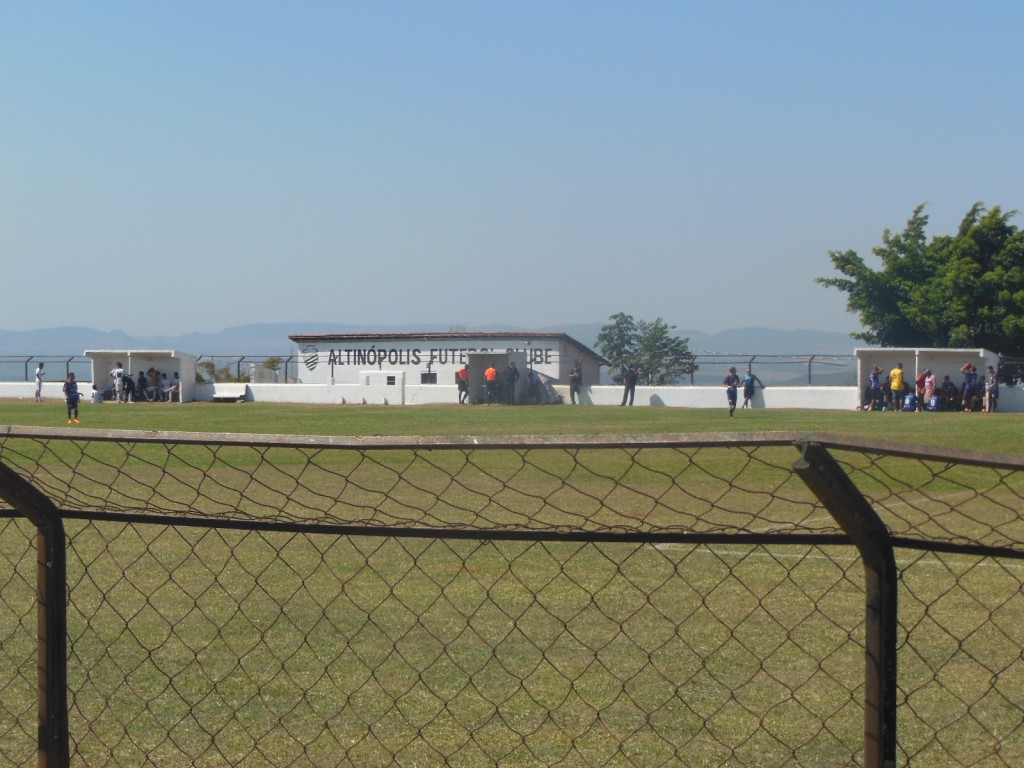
154, 387
732, 384
895, 392
499, 386
150, 386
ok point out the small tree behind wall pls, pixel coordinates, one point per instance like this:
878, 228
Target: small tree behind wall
661, 358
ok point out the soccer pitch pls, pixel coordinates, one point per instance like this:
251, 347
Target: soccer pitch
193, 645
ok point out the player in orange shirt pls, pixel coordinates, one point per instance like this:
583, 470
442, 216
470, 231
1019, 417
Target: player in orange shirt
462, 380
491, 380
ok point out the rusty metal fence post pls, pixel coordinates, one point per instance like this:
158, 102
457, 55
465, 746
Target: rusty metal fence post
51, 575
833, 487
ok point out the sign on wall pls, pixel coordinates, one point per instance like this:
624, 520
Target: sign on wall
343, 363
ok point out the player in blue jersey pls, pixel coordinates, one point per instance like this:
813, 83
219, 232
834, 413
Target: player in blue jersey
731, 383
71, 397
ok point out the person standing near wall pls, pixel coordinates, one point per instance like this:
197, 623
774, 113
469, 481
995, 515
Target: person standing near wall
629, 377
896, 385
491, 383
118, 376
967, 394
748, 388
40, 373
462, 382
575, 382
877, 399
509, 380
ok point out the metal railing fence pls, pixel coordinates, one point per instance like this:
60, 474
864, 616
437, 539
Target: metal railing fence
775, 599
709, 368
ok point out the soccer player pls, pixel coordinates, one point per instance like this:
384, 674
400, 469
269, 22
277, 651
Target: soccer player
71, 397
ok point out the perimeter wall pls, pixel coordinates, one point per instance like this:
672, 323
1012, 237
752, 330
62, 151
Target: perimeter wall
1011, 399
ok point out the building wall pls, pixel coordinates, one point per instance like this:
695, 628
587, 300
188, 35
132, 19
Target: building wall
340, 360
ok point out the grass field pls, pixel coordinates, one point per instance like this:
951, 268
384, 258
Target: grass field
207, 647
985, 432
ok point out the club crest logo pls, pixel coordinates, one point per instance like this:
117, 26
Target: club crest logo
310, 356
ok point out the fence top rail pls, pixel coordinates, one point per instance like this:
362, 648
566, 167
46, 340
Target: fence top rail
462, 442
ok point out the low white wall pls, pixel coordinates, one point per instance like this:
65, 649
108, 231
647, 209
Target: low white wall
836, 398
1011, 399
342, 394
52, 390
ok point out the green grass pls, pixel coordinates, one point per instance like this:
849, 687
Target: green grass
193, 646
1002, 433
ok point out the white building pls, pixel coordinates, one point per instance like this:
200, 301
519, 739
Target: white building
391, 366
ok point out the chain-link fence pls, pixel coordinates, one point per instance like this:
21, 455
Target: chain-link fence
778, 599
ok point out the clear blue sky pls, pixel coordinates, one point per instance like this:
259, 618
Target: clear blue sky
190, 166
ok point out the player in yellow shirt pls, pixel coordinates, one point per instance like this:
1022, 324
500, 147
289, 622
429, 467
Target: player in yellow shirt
896, 385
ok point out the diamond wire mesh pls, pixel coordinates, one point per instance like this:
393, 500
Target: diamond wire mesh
17, 642
340, 631
960, 539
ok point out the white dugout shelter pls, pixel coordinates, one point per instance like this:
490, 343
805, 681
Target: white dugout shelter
164, 361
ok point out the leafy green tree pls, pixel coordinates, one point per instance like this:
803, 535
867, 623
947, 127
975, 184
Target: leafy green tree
206, 371
660, 357
964, 290
617, 340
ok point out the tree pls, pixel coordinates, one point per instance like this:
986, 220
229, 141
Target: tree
206, 371
964, 290
618, 340
661, 357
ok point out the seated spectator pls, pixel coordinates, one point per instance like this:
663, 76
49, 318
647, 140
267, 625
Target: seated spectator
97, 396
142, 387
949, 395
171, 387
887, 404
153, 387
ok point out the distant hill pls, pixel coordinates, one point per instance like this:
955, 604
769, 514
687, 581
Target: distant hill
742, 341
272, 339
